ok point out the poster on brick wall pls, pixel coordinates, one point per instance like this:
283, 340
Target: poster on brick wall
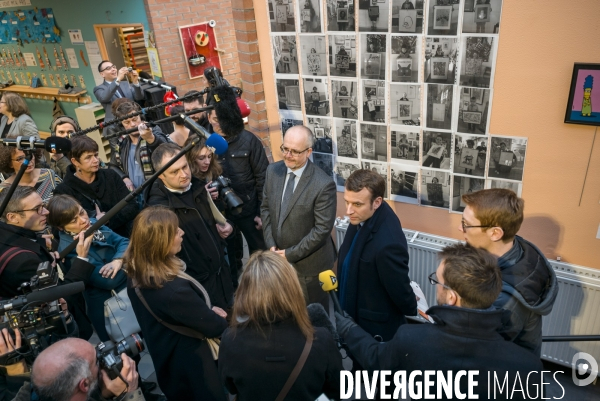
199, 42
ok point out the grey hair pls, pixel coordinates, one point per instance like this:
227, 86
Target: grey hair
16, 200
310, 138
65, 384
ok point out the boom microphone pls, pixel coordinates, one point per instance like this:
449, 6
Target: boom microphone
41, 296
215, 141
53, 144
329, 284
319, 318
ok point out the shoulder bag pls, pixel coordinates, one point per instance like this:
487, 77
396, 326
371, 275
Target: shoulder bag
119, 319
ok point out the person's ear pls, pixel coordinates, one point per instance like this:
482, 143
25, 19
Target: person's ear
12, 218
452, 298
84, 385
496, 233
377, 202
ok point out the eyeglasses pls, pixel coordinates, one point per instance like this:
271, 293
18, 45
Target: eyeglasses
464, 226
39, 209
108, 68
294, 153
433, 281
20, 159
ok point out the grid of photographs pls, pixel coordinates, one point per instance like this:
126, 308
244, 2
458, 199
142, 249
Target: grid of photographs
401, 87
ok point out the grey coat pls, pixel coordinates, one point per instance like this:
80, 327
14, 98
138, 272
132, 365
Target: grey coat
305, 228
106, 94
21, 126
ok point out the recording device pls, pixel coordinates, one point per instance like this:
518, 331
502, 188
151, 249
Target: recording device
52, 144
319, 318
108, 353
215, 141
215, 79
129, 70
329, 283
223, 185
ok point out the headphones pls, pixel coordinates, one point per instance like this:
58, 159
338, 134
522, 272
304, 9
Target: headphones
63, 120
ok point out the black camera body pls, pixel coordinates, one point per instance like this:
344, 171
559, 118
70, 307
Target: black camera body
233, 202
45, 276
109, 354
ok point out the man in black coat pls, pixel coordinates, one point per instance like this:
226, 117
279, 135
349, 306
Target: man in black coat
491, 221
203, 248
464, 336
373, 264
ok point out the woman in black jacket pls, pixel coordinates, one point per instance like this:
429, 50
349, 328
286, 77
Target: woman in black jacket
159, 289
270, 327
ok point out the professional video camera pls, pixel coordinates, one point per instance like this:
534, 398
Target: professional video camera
233, 202
109, 354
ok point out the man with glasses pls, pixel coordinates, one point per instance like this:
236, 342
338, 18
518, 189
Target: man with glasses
463, 337
491, 221
116, 86
298, 212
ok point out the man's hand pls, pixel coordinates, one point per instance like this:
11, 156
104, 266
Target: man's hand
219, 311
110, 270
83, 246
146, 133
135, 77
280, 252
99, 213
258, 222
128, 184
344, 324
224, 230
214, 194
114, 388
121, 74
7, 344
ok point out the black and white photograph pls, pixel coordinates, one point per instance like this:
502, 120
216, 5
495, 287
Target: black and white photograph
507, 158
281, 15
340, 16
289, 119
435, 188
404, 60
346, 138
373, 52
439, 106
473, 110
437, 149
464, 185
312, 54
373, 15
288, 94
404, 182
443, 17
477, 63
373, 142
324, 162
440, 60
470, 153
342, 55
482, 16
405, 104
407, 16
381, 169
310, 16
514, 186
316, 96
285, 52
374, 101
343, 168
321, 129
345, 99
404, 146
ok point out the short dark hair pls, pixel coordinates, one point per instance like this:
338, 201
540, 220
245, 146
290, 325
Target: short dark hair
115, 105
165, 149
360, 179
175, 110
194, 95
126, 108
81, 144
62, 210
16, 200
100, 65
473, 273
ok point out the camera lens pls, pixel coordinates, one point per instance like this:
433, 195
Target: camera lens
131, 345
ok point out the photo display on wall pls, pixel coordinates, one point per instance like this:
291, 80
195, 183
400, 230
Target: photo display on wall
401, 87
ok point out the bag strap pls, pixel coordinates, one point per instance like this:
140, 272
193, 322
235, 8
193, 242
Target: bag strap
294, 375
9, 255
186, 276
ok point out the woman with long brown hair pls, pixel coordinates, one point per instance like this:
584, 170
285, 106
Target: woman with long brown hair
269, 330
203, 161
173, 310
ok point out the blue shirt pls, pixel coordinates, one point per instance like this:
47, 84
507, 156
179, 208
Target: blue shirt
136, 175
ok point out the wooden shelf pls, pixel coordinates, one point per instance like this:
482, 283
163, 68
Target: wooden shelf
45, 93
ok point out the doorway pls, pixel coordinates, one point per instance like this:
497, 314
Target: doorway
123, 45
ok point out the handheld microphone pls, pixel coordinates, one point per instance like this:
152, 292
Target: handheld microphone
41, 296
215, 141
53, 144
329, 283
319, 318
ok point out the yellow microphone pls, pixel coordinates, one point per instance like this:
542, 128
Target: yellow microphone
329, 283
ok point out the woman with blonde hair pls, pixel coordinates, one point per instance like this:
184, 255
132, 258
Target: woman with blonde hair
16, 120
173, 309
269, 334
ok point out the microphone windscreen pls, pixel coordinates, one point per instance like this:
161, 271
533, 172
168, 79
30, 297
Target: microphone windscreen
56, 144
53, 293
319, 318
328, 280
226, 107
217, 142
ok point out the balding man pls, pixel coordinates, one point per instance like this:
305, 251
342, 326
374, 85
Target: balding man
298, 212
69, 370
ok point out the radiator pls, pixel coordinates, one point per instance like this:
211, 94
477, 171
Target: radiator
575, 312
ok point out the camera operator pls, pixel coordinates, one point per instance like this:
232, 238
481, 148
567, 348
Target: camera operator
245, 163
68, 370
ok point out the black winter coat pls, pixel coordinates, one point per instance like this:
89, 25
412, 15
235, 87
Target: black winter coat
184, 365
255, 364
461, 339
245, 164
377, 287
107, 190
202, 250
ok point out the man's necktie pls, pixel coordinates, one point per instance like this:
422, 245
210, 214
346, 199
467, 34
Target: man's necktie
287, 195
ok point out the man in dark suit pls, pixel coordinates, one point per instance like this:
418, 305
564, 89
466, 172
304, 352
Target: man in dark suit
298, 212
373, 266
116, 86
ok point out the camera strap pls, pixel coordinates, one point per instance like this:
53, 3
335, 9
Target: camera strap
11, 253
